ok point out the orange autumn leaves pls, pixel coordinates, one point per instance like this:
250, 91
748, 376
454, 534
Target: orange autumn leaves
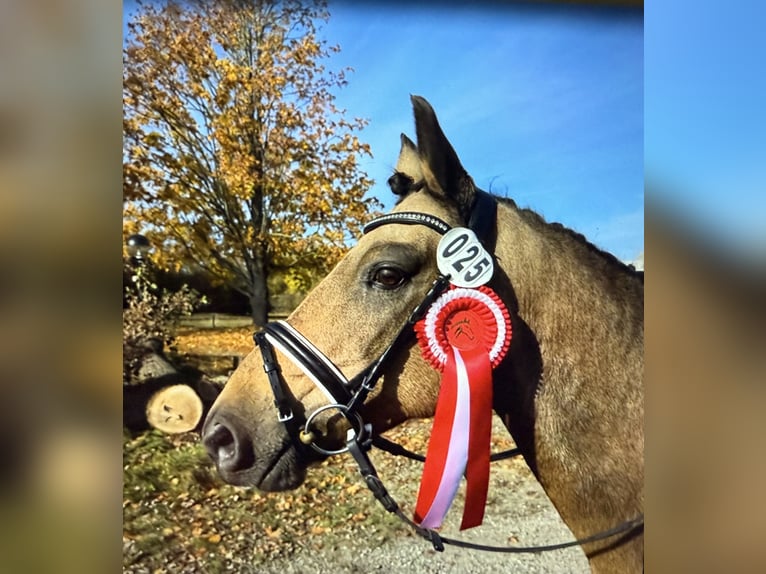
221, 342
235, 158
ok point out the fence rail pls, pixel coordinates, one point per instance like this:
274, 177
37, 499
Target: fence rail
222, 320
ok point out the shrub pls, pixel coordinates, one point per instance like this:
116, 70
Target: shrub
150, 316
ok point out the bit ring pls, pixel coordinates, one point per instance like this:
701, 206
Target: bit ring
357, 426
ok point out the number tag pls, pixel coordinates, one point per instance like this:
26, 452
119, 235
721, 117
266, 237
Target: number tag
461, 256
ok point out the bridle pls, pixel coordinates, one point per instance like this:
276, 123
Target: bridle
347, 396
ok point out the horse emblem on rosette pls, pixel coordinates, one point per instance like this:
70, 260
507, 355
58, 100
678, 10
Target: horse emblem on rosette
456, 304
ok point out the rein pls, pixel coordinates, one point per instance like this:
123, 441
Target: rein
367, 470
347, 396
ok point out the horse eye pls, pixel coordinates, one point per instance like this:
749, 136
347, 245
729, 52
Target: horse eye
388, 277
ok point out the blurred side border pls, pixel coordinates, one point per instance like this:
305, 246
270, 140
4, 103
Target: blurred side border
60, 283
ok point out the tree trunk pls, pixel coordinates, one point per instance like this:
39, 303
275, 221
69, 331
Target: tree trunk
259, 294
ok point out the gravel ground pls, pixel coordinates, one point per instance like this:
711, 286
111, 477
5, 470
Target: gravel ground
523, 516
518, 512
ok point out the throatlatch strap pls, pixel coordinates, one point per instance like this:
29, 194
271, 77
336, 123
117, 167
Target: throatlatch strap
483, 217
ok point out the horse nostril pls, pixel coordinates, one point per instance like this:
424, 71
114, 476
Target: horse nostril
229, 447
220, 443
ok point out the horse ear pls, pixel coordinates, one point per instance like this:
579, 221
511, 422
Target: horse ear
408, 175
441, 167
409, 160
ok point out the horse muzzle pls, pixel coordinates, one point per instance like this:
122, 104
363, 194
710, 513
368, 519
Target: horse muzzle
271, 463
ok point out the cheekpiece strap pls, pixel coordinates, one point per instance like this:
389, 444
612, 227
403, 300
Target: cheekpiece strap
315, 364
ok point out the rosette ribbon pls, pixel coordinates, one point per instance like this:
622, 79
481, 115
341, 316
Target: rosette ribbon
465, 334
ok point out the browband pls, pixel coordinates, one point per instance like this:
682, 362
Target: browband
481, 221
409, 218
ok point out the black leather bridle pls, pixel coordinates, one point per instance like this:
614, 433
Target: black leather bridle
344, 395
347, 396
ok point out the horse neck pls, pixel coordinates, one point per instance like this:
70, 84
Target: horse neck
572, 296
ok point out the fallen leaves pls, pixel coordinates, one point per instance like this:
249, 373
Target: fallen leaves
219, 526
272, 532
178, 517
236, 341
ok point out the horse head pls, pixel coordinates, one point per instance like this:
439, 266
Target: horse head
351, 317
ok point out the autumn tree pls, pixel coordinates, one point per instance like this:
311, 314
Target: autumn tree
235, 158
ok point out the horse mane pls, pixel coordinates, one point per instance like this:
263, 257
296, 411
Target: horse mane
538, 221
402, 185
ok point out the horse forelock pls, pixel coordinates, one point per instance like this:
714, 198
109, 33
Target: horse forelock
402, 184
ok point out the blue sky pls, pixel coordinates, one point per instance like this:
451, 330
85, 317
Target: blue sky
544, 105
705, 122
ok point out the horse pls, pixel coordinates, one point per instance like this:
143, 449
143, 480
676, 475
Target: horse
569, 390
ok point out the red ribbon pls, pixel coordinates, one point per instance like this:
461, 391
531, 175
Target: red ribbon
477, 469
459, 334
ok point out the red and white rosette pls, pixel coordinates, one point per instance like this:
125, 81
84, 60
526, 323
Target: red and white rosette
465, 334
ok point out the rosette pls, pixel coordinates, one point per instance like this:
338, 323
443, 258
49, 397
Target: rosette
465, 334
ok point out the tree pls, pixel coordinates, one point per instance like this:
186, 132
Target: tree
235, 158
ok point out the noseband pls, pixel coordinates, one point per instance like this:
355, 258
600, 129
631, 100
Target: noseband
347, 396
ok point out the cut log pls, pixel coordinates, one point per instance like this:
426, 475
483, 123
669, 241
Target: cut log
170, 399
174, 409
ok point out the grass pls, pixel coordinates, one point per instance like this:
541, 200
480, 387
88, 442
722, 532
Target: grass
175, 509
